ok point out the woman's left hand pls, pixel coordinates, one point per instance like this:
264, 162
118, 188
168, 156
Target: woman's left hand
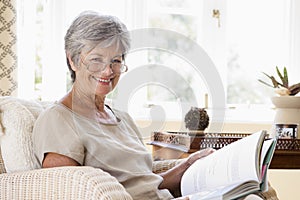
198, 154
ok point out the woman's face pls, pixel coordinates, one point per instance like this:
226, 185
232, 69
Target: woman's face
94, 74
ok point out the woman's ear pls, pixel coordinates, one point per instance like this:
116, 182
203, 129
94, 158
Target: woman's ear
72, 65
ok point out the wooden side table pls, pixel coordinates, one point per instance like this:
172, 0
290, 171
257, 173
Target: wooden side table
282, 159
286, 156
285, 159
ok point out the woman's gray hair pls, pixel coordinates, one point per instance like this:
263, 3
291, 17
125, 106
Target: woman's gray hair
88, 30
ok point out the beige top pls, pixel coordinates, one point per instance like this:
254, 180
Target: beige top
117, 149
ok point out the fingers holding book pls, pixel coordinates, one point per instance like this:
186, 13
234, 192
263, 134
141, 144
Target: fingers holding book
198, 155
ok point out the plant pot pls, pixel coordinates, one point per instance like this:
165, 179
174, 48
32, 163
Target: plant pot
287, 110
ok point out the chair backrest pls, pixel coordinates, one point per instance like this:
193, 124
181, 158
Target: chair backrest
17, 117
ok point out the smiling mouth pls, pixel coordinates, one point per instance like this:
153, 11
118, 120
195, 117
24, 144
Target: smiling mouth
102, 80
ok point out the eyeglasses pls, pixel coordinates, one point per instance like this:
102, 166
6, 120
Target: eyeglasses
97, 65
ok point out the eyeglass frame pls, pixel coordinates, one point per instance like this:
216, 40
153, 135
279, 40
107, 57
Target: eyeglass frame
105, 65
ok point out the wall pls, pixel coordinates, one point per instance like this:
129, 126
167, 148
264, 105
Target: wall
285, 182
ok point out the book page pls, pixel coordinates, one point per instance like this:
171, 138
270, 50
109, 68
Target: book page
213, 194
233, 163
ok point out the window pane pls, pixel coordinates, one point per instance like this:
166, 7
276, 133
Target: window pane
184, 80
184, 24
256, 42
187, 26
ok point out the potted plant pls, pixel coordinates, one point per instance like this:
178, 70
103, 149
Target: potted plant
286, 92
282, 87
286, 103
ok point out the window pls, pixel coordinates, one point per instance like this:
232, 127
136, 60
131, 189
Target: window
176, 86
255, 43
243, 38
242, 45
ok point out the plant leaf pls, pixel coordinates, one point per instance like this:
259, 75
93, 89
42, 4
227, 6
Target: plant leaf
267, 75
285, 77
294, 89
272, 79
265, 83
280, 75
275, 83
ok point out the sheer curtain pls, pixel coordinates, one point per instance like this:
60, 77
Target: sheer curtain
54, 68
26, 16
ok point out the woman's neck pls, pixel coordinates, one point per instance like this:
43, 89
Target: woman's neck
91, 106
82, 102
99, 103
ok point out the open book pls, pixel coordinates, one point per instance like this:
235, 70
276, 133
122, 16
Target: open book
234, 171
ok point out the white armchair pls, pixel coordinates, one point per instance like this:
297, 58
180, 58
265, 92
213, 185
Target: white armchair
20, 177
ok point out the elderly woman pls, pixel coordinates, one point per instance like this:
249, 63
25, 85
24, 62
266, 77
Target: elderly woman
80, 129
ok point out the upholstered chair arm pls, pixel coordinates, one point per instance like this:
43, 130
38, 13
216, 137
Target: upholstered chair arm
163, 165
61, 183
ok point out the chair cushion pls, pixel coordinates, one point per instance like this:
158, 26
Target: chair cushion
17, 119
